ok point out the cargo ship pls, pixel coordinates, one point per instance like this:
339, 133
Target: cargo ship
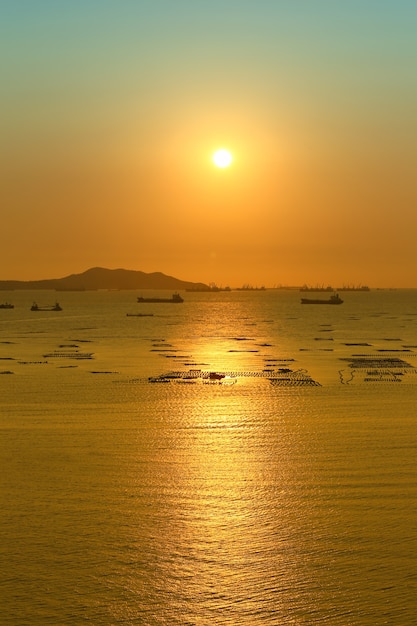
334, 299
175, 299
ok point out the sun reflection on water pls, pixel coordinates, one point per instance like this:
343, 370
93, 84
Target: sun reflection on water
214, 518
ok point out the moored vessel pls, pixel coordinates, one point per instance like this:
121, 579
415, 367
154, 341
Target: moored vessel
334, 299
55, 307
175, 299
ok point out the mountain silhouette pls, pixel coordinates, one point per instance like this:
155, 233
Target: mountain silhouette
102, 278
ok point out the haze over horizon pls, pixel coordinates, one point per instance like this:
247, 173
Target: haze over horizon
243, 283
111, 113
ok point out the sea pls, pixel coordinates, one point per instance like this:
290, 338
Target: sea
235, 459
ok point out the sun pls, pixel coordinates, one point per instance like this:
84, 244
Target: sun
222, 158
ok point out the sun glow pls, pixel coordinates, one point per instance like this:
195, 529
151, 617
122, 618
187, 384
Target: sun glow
222, 158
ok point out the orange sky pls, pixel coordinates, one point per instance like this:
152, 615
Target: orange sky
111, 113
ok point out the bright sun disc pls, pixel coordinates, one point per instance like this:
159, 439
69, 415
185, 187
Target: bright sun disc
222, 158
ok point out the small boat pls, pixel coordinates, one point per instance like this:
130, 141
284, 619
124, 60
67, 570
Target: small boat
334, 299
175, 299
55, 307
6, 305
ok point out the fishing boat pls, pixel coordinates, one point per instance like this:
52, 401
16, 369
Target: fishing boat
55, 307
175, 299
6, 305
334, 299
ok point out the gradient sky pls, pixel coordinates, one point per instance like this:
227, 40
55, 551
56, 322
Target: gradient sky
110, 112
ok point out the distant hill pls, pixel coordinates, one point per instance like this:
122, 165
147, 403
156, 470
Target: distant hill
101, 278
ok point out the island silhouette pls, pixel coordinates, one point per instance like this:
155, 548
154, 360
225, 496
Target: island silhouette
102, 278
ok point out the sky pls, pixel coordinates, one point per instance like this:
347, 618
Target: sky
110, 112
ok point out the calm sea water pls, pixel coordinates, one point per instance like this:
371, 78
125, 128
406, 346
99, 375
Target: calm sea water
282, 493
